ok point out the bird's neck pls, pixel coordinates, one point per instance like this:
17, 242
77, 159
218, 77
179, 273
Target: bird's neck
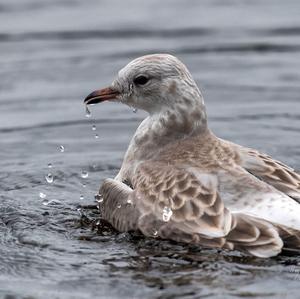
182, 121
161, 129
185, 117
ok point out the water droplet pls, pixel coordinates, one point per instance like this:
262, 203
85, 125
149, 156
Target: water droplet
94, 128
61, 148
96, 136
198, 124
134, 110
167, 213
155, 233
81, 197
42, 195
84, 174
83, 185
88, 113
119, 206
98, 222
49, 165
129, 201
49, 178
98, 198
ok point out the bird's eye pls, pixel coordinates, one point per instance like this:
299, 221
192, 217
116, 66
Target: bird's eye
140, 80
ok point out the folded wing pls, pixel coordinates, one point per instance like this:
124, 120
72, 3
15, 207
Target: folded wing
273, 172
198, 214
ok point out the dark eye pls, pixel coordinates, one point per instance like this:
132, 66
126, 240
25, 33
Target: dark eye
140, 80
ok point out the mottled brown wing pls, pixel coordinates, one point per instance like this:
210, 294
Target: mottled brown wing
273, 172
193, 199
198, 213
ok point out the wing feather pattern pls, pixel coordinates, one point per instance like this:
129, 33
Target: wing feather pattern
273, 172
198, 213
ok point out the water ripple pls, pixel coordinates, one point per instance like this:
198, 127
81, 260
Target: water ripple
107, 34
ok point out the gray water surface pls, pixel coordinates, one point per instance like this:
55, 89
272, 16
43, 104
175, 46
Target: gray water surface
245, 55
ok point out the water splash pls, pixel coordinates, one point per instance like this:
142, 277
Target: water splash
49, 178
167, 213
51, 202
61, 148
84, 174
98, 198
42, 195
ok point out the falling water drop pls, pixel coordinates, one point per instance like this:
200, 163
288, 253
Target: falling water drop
81, 197
49, 165
167, 213
42, 195
98, 222
83, 185
96, 136
134, 110
61, 148
94, 128
129, 201
98, 198
155, 233
84, 174
49, 178
119, 206
88, 113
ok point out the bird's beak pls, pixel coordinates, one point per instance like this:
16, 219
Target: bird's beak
101, 95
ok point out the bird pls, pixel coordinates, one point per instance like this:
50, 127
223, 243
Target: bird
179, 181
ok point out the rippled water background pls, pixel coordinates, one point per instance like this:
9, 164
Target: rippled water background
245, 55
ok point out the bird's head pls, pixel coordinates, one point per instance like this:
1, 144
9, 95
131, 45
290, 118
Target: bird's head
152, 83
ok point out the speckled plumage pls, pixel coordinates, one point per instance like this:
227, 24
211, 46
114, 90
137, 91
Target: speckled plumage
220, 194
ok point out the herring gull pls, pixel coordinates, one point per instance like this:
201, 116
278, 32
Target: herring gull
179, 181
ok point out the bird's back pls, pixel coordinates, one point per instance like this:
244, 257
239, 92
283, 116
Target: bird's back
240, 189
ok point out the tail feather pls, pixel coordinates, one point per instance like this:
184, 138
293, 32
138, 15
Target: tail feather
290, 237
254, 236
